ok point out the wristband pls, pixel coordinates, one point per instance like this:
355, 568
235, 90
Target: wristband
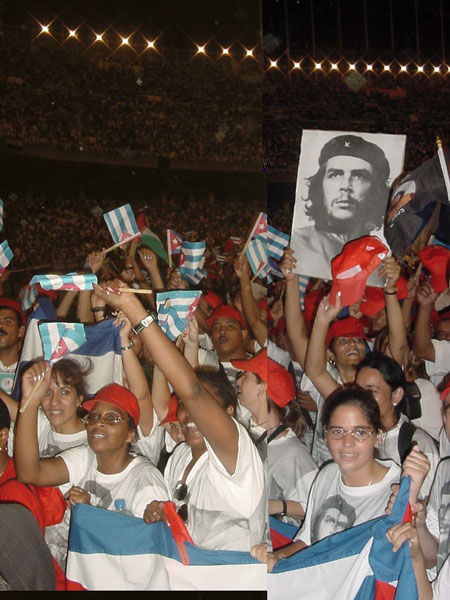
144, 323
390, 293
130, 345
284, 511
98, 309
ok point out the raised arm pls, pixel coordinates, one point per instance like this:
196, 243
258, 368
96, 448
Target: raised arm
316, 355
95, 262
249, 305
134, 373
296, 326
423, 346
64, 306
398, 343
29, 467
207, 413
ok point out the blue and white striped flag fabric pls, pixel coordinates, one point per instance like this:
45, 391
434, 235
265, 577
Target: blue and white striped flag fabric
1, 214
191, 257
59, 339
71, 281
277, 241
27, 296
6, 255
355, 564
101, 349
174, 308
197, 277
113, 551
303, 281
274, 270
256, 252
121, 223
259, 230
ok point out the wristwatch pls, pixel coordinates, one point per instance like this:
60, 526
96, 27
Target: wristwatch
144, 323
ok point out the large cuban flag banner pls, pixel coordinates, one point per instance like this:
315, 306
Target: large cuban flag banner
355, 564
101, 348
112, 551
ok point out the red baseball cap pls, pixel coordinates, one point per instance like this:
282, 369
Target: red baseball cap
171, 416
443, 316
348, 327
213, 299
437, 260
226, 311
14, 305
312, 301
351, 268
257, 364
119, 396
445, 393
373, 301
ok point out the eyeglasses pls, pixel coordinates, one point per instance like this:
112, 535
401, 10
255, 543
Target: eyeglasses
180, 493
107, 418
361, 434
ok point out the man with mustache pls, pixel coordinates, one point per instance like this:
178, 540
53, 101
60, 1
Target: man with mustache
12, 330
347, 199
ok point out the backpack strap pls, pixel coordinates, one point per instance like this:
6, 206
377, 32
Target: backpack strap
405, 436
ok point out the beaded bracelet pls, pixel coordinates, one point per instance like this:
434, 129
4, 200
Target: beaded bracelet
131, 345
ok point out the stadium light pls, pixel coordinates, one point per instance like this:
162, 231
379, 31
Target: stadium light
273, 64
72, 33
419, 68
369, 68
249, 52
403, 68
45, 29
296, 65
334, 66
200, 49
317, 65
387, 67
125, 42
99, 37
351, 67
437, 69
150, 44
225, 51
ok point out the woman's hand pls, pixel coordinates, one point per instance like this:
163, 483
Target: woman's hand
390, 271
148, 257
77, 495
417, 466
287, 264
259, 552
37, 377
271, 560
402, 532
154, 512
124, 323
326, 312
190, 334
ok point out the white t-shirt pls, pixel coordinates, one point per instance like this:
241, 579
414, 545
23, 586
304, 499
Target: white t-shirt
150, 445
389, 449
138, 484
441, 366
277, 354
7, 374
431, 405
291, 471
444, 444
441, 585
334, 506
438, 511
225, 512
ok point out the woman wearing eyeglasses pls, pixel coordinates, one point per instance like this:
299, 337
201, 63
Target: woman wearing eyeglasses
97, 473
356, 486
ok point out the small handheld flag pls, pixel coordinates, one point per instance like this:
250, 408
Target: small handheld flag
6, 256
71, 281
256, 252
259, 229
122, 225
174, 308
151, 240
27, 296
191, 258
58, 339
277, 241
174, 242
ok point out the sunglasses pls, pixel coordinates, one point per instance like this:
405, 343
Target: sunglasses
108, 418
180, 493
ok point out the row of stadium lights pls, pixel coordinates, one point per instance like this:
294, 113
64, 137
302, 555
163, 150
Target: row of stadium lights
367, 67
151, 44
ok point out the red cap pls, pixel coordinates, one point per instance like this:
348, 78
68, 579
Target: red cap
437, 260
445, 393
443, 316
402, 288
226, 311
373, 301
212, 299
116, 395
14, 305
312, 301
52, 294
349, 327
351, 268
171, 416
280, 385
257, 364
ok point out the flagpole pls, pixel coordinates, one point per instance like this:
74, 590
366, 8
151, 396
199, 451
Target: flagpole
135, 291
31, 396
260, 270
251, 234
169, 248
126, 241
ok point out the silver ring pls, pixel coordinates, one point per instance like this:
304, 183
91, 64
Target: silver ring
288, 271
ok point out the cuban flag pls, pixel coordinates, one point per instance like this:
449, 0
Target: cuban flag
256, 252
1, 214
112, 551
174, 242
71, 281
174, 308
122, 224
259, 230
58, 339
101, 349
191, 258
281, 533
303, 281
277, 241
355, 564
6, 256
27, 296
